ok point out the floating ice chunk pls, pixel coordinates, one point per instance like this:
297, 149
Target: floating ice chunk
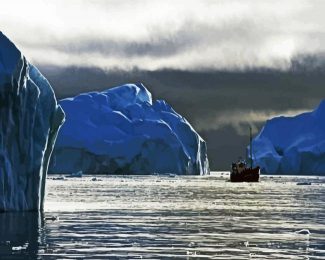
303, 232
76, 174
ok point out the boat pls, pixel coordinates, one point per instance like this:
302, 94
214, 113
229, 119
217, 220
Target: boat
241, 172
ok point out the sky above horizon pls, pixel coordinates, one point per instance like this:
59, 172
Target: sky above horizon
152, 35
224, 64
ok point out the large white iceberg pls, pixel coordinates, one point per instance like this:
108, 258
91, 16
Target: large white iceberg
292, 145
29, 122
123, 131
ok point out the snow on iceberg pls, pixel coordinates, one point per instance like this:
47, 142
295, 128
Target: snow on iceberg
123, 131
29, 123
292, 145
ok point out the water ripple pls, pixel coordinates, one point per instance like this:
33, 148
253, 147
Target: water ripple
155, 217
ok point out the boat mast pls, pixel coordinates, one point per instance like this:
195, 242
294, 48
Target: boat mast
250, 146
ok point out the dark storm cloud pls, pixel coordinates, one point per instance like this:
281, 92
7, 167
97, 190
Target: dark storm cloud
210, 93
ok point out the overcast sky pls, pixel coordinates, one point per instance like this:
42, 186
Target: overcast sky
224, 64
151, 35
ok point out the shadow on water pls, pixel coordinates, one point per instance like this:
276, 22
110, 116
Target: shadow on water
21, 234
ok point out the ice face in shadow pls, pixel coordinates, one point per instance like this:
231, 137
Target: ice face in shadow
29, 123
123, 131
21, 234
292, 145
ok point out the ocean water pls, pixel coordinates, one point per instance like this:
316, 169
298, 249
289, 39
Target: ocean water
180, 217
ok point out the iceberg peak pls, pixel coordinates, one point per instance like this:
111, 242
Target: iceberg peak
122, 130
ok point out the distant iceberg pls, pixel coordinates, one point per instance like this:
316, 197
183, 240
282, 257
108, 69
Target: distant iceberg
123, 131
292, 145
29, 123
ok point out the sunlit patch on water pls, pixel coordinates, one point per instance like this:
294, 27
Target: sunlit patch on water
187, 217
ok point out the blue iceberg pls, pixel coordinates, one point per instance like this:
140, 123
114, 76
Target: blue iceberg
123, 131
292, 145
29, 122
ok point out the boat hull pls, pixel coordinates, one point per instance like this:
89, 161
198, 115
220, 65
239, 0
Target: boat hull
247, 175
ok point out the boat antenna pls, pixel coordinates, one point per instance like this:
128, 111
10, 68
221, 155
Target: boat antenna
250, 146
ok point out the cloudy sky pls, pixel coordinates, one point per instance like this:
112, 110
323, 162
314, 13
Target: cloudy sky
223, 64
151, 35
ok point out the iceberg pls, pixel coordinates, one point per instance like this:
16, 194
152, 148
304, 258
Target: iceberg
123, 131
292, 145
29, 122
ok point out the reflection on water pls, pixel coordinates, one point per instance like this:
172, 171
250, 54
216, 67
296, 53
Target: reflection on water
20, 234
157, 217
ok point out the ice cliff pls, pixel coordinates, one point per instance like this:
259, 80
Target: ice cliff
123, 131
292, 145
29, 123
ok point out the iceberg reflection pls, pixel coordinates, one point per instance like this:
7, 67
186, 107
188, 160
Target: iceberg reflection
21, 234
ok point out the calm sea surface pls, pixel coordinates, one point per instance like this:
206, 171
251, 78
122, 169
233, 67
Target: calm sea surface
160, 217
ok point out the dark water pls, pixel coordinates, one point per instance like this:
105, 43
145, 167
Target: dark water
152, 217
